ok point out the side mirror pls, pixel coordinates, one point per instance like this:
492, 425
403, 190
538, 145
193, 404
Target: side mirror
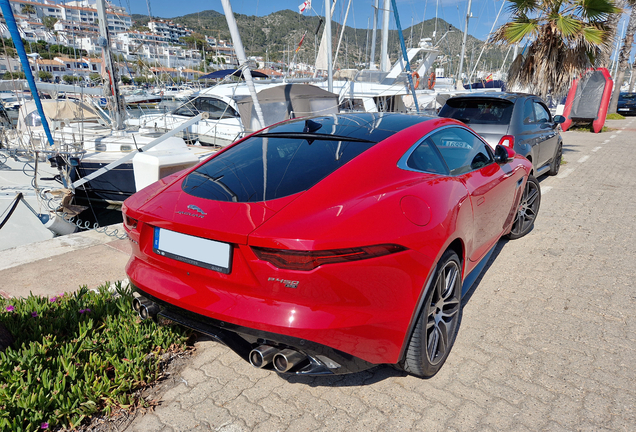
503, 155
558, 119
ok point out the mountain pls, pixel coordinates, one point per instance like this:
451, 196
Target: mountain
277, 35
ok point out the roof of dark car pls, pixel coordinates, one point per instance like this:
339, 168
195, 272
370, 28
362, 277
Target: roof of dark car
494, 95
368, 126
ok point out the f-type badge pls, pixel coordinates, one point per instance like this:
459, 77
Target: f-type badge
194, 209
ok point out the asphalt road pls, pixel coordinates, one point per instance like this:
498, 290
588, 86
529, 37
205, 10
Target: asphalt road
547, 340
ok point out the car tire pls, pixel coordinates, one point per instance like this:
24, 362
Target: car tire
527, 210
556, 161
436, 327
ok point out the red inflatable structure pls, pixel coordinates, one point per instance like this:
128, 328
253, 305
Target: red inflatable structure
588, 99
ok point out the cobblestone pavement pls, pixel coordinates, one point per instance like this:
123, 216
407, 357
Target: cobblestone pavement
547, 340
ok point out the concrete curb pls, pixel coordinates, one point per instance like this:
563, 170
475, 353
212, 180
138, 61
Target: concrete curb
56, 246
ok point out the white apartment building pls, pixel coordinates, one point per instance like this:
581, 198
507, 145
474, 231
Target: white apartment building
154, 49
169, 30
82, 13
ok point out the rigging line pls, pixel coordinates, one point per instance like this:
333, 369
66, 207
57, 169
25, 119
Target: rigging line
16, 201
254, 26
484, 46
355, 30
423, 19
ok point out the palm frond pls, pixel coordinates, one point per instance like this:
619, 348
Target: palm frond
515, 31
596, 10
594, 35
568, 26
521, 6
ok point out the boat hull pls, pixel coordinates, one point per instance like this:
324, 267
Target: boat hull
114, 186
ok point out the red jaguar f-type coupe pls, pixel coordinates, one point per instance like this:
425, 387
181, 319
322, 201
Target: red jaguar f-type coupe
332, 244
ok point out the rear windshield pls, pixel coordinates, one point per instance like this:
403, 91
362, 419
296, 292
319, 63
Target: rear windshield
284, 160
478, 111
630, 96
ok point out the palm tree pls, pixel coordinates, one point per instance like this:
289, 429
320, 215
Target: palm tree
612, 26
623, 58
566, 37
28, 9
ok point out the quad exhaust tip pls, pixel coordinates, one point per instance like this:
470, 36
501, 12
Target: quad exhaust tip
145, 308
287, 359
262, 356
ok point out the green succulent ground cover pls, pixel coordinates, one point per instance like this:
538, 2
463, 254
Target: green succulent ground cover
585, 127
615, 116
77, 355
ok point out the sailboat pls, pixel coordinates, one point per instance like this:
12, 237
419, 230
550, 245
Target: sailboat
235, 109
95, 155
392, 88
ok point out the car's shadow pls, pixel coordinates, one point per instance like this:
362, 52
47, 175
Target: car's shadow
382, 372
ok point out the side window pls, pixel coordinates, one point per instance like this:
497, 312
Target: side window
462, 151
541, 113
425, 158
215, 108
528, 112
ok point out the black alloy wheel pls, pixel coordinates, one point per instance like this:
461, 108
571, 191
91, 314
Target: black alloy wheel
436, 328
527, 210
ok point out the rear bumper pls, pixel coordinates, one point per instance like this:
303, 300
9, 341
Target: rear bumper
321, 359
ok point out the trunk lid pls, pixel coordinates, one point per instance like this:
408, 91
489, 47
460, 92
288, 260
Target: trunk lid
224, 221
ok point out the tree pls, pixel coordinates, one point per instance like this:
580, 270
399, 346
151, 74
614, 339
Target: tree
71, 79
623, 59
45, 76
125, 79
612, 25
141, 80
49, 22
94, 76
28, 9
14, 75
567, 36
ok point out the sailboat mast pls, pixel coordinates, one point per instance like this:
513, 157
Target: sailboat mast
407, 65
19, 46
373, 36
461, 57
344, 26
240, 54
328, 46
384, 64
104, 42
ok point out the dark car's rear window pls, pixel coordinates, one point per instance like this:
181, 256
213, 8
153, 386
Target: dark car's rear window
478, 111
284, 160
627, 96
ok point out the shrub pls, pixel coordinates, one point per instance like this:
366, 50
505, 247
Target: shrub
70, 79
76, 355
615, 116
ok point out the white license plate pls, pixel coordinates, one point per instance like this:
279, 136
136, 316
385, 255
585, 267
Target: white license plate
623, 109
197, 251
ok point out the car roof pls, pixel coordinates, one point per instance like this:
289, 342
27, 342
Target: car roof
509, 96
368, 126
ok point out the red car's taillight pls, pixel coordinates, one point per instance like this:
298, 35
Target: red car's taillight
309, 260
130, 223
507, 141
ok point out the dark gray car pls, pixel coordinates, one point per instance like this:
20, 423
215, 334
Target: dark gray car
516, 120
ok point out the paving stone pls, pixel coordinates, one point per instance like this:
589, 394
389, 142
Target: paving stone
547, 340
146, 423
178, 419
211, 414
241, 408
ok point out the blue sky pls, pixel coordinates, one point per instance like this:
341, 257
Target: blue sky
411, 11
